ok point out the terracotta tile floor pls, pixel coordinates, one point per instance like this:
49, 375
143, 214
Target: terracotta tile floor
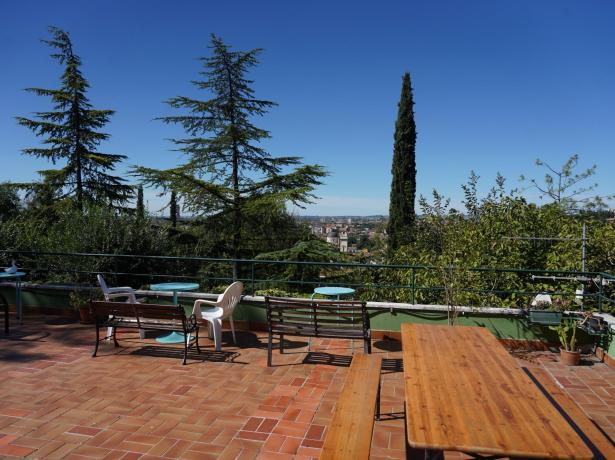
138, 401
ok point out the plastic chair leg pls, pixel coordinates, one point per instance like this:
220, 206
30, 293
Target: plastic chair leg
232, 329
217, 327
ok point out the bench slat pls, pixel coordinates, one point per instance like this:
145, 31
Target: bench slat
349, 435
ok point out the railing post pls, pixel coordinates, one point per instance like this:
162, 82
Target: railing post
253, 278
412, 292
600, 293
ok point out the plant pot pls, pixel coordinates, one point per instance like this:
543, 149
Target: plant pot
545, 317
570, 358
85, 315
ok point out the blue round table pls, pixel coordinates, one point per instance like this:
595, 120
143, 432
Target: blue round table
173, 337
333, 291
17, 276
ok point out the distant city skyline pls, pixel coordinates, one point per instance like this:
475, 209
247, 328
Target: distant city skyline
496, 85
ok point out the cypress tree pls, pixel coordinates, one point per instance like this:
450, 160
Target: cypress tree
140, 203
228, 172
173, 209
71, 135
402, 217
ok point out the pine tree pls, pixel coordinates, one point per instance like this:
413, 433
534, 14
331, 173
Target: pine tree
403, 186
228, 173
71, 135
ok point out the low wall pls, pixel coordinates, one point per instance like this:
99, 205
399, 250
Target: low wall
386, 318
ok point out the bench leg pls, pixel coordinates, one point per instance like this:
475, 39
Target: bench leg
378, 403
196, 338
185, 348
269, 349
6, 319
115, 342
281, 343
97, 342
367, 346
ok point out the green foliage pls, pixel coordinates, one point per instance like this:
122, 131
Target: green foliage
70, 133
493, 234
566, 187
403, 185
312, 250
228, 173
563, 330
98, 229
10, 203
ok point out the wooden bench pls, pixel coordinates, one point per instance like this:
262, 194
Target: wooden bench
145, 317
349, 435
601, 446
347, 319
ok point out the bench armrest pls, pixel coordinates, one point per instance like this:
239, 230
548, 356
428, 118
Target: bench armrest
196, 310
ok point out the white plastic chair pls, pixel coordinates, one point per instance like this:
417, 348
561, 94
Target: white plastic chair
215, 312
117, 293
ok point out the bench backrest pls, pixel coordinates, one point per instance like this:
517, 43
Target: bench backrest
342, 315
139, 311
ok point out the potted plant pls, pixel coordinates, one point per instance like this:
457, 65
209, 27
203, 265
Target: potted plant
545, 312
80, 302
570, 355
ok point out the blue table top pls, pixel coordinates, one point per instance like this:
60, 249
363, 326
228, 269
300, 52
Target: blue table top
12, 275
174, 287
333, 290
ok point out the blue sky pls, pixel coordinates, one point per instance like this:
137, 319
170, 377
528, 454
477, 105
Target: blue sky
496, 84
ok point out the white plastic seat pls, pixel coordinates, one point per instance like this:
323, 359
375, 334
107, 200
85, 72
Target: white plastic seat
214, 312
123, 292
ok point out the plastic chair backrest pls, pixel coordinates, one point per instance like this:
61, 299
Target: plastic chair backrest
103, 286
231, 297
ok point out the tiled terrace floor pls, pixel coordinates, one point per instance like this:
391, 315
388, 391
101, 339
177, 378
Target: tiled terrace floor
138, 401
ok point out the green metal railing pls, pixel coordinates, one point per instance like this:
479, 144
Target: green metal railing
408, 283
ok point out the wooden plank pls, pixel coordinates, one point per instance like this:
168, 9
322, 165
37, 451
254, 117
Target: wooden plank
583, 422
464, 392
349, 435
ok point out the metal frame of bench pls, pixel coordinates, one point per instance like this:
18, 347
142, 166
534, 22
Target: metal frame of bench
337, 319
6, 318
145, 317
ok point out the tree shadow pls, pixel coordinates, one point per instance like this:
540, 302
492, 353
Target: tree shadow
16, 356
246, 339
390, 345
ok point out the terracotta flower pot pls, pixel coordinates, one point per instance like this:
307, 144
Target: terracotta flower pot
570, 358
85, 315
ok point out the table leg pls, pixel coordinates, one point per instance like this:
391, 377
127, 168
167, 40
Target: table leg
173, 337
18, 304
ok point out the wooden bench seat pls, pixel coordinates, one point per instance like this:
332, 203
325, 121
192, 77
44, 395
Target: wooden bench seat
601, 446
337, 319
349, 435
144, 317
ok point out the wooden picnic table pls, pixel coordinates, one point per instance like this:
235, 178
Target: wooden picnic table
465, 393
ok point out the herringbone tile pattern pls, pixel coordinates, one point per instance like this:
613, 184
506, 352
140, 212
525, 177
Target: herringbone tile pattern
139, 402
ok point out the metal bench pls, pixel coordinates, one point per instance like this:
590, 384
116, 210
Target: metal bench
350, 432
145, 317
344, 319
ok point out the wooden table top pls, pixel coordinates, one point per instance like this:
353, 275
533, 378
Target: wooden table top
465, 393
